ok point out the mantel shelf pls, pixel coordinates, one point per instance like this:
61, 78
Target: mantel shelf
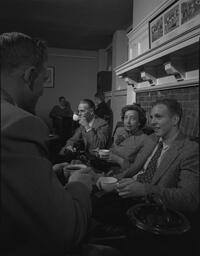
178, 57
164, 86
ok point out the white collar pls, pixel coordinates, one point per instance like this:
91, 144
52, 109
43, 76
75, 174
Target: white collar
91, 122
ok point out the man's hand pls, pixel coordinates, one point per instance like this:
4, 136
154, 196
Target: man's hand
130, 188
94, 175
58, 168
63, 149
99, 182
85, 178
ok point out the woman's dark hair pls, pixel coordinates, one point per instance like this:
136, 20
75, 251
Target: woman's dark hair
89, 102
139, 109
61, 98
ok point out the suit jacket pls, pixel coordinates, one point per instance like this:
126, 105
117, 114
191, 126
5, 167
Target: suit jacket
176, 180
37, 214
97, 137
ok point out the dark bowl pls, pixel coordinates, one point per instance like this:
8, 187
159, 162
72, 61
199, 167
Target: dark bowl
158, 220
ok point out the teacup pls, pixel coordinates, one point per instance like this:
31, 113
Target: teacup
104, 153
75, 117
108, 184
68, 169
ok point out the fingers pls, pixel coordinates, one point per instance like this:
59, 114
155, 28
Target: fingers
59, 166
98, 184
125, 182
123, 194
62, 151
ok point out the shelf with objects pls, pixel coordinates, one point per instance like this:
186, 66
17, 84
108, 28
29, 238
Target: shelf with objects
173, 62
162, 67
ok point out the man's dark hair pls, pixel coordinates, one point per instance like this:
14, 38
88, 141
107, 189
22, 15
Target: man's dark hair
61, 98
17, 49
89, 102
173, 106
140, 110
100, 95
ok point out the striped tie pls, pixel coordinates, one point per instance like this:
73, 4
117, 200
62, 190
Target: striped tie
146, 177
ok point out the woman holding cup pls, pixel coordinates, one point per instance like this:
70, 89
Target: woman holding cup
130, 139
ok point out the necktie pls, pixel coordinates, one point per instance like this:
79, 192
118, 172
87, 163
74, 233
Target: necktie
147, 176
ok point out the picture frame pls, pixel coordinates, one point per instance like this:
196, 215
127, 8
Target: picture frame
51, 77
180, 16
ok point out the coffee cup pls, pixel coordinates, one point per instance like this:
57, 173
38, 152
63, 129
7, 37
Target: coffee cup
104, 153
75, 117
108, 184
68, 169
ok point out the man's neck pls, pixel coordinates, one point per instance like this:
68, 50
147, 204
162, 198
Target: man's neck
91, 121
171, 137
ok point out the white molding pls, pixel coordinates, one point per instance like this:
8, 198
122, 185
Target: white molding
157, 52
121, 92
175, 85
108, 94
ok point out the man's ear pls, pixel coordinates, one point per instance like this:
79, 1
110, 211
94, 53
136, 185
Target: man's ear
29, 76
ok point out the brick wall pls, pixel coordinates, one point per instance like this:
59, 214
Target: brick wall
189, 99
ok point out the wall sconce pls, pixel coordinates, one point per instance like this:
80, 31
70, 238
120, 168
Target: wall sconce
147, 77
171, 70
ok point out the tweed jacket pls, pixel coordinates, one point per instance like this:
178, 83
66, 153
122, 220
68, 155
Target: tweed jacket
38, 215
176, 180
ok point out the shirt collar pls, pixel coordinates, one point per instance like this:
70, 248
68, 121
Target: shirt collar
91, 122
167, 143
6, 96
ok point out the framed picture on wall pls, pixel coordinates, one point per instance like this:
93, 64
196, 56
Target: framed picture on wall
51, 77
180, 16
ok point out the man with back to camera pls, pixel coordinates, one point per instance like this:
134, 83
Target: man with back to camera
38, 216
93, 131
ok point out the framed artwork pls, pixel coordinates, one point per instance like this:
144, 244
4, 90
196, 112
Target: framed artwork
171, 19
51, 77
189, 10
179, 17
156, 28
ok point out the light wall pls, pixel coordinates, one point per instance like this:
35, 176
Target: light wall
75, 78
142, 8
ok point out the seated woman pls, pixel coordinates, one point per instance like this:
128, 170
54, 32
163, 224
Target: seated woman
130, 139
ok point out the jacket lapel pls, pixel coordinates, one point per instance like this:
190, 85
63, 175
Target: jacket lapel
169, 157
